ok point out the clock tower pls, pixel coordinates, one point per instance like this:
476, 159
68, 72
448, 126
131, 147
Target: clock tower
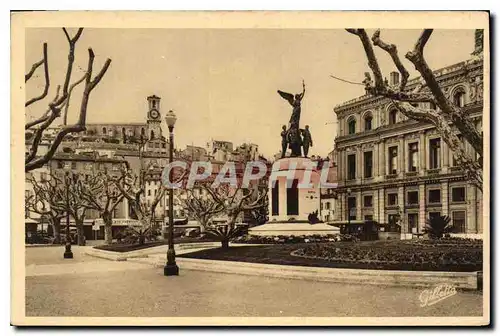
154, 118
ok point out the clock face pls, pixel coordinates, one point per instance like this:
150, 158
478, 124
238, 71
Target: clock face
154, 114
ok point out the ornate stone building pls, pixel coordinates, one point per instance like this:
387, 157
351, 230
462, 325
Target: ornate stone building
399, 172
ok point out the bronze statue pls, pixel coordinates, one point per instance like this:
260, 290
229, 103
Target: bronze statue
284, 141
306, 140
293, 132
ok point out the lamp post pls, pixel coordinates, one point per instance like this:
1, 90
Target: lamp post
171, 267
348, 207
68, 254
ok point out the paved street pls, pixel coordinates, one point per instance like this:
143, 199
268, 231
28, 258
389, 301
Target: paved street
54, 255
87, 286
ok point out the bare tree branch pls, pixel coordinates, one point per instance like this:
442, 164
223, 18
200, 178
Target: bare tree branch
422, 40
80, 125
45, 116
45, 62
393, 51
34, 67
471, 166
61, 101
442, 118
458, 118
372, 63
67, 102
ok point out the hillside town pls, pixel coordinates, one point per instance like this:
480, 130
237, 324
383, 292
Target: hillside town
391, 197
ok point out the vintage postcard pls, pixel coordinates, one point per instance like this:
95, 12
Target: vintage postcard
250, 168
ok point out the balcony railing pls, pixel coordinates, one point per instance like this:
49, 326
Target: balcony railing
456, 168
412, 206
433, 171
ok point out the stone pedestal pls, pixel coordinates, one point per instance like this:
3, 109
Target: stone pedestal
289, 197
292, 198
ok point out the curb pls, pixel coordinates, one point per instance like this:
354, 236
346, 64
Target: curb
460, 280
42, 245
144, 253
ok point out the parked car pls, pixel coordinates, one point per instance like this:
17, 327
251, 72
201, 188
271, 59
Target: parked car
192, 232
38, 238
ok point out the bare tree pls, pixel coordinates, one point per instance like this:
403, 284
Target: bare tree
446, 117
233, 201
132, 187
42, 202
200, 207
103, 195
68, 197
60, 101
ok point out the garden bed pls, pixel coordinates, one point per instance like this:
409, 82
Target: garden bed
120, 247
387, 255
292, 239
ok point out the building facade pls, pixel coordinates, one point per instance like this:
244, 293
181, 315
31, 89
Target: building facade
399, 172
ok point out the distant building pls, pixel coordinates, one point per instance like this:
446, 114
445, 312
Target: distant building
194, 153
131, 133
87, 165
33, 220
328, 196
223, 151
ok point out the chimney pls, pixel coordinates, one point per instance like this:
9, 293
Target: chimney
478, 42
394, 78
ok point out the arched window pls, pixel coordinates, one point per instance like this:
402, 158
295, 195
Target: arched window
393, 114
459, 98
351, 125
104, 131
368, 122
152, 134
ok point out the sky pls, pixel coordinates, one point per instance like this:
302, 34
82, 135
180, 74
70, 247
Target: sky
222, 83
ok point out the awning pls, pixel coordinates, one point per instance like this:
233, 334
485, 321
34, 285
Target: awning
352, 222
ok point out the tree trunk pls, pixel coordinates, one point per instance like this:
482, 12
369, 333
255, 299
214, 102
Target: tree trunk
225, 243
142, 239
108, 223
56, 226
80, 232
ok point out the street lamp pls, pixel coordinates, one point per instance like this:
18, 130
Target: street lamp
348, 207
68, 254
171, 267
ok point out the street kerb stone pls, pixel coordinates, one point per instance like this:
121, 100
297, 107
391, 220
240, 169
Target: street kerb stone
143, 253
461, 280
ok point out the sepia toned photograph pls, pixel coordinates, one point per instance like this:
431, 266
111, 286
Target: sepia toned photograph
250, 168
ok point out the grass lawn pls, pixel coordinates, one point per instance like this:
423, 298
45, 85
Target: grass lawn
389, 255
118, 247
